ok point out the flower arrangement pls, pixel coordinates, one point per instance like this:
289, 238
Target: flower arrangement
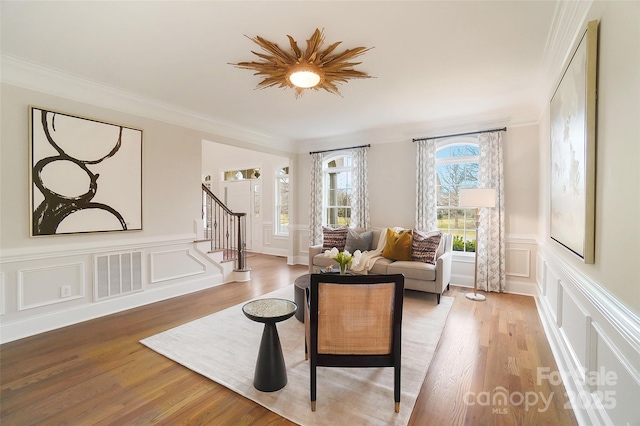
344, 259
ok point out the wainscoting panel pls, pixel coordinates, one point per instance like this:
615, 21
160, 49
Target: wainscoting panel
49, 285
57, 286
2, 295
303, 242
615, 382
577, 329
518, 262
541, 271
267, 233
595, 340
174, 264
552, 284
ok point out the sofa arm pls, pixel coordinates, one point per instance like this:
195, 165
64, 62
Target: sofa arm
443, 270
313, 251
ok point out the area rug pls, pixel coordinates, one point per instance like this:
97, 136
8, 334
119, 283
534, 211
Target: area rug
224, 346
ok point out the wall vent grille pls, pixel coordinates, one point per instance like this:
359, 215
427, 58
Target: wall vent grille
117, 274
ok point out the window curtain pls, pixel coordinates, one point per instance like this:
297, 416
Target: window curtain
315, 207
426, 196
491, 238
359, 191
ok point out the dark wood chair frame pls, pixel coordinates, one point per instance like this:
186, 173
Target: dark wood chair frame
392, 359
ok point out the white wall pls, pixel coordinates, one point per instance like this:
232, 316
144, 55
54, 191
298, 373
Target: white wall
217, 158
392, 176
591, 311
34, 269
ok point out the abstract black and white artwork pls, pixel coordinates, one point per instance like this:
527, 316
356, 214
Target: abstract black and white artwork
86, 175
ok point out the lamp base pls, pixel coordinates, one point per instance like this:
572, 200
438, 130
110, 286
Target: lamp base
476, 297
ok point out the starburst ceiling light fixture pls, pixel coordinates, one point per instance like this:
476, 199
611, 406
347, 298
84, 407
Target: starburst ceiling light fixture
311, 69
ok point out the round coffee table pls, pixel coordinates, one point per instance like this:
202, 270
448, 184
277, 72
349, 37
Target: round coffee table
271, 372
299, 285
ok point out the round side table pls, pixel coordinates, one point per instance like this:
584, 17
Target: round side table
271, 372
299, 285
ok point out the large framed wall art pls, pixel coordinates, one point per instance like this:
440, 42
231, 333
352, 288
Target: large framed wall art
573, 150
85, 175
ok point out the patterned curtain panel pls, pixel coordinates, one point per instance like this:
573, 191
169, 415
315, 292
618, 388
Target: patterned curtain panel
360, 191
491, 240
426, 197
315, 208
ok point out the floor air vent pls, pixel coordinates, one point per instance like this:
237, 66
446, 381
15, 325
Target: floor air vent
117, 274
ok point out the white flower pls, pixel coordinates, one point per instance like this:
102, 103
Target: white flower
331, 253
345, 258
356, 258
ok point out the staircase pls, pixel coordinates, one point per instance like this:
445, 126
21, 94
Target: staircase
224, 234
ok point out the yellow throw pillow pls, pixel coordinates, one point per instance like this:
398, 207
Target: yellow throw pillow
398, 245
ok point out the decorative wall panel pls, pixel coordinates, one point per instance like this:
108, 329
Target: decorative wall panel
48, 285
173, 264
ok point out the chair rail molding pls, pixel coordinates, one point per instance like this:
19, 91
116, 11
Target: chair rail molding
27, 254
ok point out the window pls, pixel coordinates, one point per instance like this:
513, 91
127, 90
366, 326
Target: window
337, 191
457, 168
241, 174
282, 201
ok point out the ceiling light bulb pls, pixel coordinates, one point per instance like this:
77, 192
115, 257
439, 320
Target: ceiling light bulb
304, 79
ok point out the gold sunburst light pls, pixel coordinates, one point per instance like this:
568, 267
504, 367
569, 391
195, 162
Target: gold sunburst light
311, 69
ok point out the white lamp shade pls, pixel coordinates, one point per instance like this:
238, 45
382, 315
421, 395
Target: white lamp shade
477, 197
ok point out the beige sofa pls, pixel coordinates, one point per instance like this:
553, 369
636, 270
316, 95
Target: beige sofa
417, 275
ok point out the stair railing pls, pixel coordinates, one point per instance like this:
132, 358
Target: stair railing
225, 229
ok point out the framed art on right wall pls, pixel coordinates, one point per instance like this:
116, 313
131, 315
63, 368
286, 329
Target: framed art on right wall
573, 150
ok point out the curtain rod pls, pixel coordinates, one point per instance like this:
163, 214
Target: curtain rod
340, 149
504, 129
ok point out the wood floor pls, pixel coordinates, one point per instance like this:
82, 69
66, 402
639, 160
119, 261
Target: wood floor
96, 373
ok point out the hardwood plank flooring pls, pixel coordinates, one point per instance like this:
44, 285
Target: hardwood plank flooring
97, 372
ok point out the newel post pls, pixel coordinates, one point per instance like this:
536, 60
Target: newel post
241, 243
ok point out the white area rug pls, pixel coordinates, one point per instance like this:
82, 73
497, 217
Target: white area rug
224, 346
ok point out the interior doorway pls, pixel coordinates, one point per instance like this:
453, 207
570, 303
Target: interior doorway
237, 195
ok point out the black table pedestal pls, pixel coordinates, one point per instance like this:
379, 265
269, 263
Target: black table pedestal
271, 373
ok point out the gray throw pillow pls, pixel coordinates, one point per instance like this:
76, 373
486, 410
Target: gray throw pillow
357, 241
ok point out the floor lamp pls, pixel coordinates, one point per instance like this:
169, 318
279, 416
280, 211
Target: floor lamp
477, 197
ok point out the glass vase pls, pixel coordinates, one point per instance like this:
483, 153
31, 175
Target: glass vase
343, 268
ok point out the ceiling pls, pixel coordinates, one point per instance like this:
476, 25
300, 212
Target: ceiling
437, 64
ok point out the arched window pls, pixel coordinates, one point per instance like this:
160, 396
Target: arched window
457, 168
337, 171
282, 201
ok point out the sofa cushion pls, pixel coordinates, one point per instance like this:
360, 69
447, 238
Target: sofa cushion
322, 261
398, 245
334, 238
413, 270
424, 246
380, 267
356, 241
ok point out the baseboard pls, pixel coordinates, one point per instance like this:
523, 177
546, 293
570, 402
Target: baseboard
521, 287
274, 251
35, 325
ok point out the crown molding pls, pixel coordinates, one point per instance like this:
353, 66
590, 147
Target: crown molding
566, 27
27, 75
